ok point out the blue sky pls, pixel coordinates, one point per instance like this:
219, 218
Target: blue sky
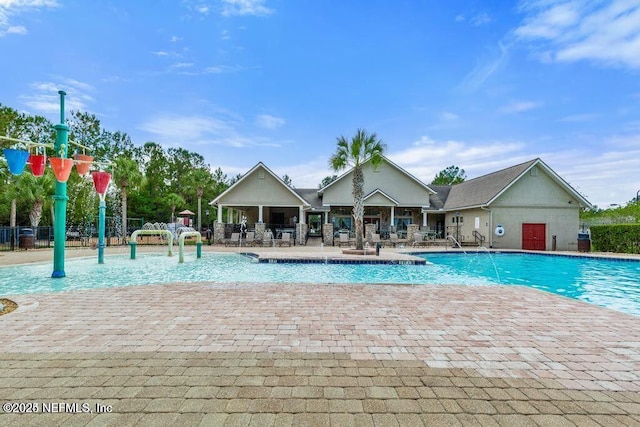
477, 84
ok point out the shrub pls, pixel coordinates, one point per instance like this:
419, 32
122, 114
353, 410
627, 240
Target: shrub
621, 238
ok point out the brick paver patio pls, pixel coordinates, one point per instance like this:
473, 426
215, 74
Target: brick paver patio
283, 354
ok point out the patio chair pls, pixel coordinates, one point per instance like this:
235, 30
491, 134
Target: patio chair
234, 240
285, 239
250, 239
267, 239
344, 239
419, 240
395, 240
375, 238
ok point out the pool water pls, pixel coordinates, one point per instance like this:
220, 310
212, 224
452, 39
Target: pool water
606, 282
609, 283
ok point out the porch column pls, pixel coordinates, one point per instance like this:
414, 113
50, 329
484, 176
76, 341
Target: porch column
393, 214
326, 217
424, 218
219, 217
229, 215
301, 215
260, 214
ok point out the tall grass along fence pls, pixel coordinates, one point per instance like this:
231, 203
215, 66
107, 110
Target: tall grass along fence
621, 238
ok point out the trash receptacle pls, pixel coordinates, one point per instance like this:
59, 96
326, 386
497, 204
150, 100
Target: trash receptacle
584, 242
26, 239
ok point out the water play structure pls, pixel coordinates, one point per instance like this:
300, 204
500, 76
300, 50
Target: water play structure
133, 243
184, 235
157, 229
17, 158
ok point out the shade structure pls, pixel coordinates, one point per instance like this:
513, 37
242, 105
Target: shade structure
37, 162
186, 212
16, 159
101, 181
61, 168
81, 167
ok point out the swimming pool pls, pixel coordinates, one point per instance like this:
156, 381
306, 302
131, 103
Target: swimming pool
609, 283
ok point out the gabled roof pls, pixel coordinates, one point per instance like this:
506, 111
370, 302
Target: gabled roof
437, 200
311, 196
385, 195
246, 175
484, 190
385, 160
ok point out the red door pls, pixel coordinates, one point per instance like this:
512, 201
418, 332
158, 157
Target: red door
534, 237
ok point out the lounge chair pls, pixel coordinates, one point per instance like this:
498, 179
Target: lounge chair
250, 239
234, 240
419, 240
344, 239
267, 239
375, 238
395, 240
285, 239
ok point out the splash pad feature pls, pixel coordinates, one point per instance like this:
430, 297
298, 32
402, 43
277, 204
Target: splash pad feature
101, 182
184, 235
16, 161
133, 244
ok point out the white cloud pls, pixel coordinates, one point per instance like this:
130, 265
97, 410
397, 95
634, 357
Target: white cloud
520, 107
44, 97
245, 7
268, 121
481, 19
573, 30
201, 130
460, 18
580, 118
12, 8
160, 53
182, 65
588, 172
449, 116
486, 68
175, 39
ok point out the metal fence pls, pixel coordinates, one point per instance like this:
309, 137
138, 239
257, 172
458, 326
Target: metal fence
84, 235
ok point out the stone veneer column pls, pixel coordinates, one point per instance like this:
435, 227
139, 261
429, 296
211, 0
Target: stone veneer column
369, 230
218, 232
327, 234
260, 227
301, 233
411, 230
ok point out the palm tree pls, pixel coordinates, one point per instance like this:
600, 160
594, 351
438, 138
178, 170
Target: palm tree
36, 191
198, 180
363, 147
174, 200
126, 173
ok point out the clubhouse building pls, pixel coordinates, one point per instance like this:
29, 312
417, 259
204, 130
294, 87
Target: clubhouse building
526, 206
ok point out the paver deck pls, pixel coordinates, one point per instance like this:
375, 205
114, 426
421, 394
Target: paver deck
297, 354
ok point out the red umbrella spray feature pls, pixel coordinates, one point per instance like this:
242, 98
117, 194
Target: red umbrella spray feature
101, 182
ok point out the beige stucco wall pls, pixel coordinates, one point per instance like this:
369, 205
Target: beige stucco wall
561, 222
254, 191
387, 178
467, 226
532, 199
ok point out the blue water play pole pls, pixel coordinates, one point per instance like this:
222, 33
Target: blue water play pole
101, 221
60, 198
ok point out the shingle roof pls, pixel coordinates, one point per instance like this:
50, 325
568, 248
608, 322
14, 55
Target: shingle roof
480, 191
310, 195
436, 201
